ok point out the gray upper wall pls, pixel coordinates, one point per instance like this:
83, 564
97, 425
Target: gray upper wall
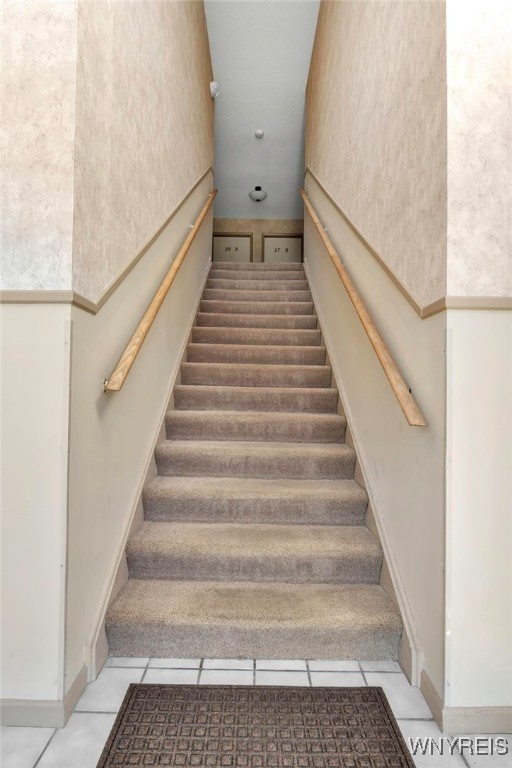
261, 51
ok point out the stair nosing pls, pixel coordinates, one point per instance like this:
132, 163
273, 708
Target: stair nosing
270, 414
316, 347
259, 445
259, 365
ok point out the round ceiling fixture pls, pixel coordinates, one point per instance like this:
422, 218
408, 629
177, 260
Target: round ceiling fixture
257, 194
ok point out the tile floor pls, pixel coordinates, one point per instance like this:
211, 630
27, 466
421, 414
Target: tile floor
80, 743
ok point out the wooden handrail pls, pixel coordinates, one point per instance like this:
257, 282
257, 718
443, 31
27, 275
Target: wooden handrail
120, 372
405, 399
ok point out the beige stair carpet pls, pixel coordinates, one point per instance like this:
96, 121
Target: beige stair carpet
254, 542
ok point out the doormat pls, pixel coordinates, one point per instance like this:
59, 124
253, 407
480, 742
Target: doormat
255, 727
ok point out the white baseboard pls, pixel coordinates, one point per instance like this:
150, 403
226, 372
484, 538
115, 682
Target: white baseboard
96, 651
43, 713
405, 658
32, 713
432, 698
460, 720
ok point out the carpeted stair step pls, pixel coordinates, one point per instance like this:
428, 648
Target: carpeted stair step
254, 459
240, 274
253, 620
264, 426
256, 375
226, 320
218, 294
255, 500
257, 285
248, 552
239, 320
307, 400
255, 353
239, 266
258, 307
261, 336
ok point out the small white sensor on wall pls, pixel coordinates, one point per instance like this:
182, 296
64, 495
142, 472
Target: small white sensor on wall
214, 89
259, 133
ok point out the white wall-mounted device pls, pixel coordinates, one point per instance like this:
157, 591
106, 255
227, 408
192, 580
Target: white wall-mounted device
257, 194
214, 89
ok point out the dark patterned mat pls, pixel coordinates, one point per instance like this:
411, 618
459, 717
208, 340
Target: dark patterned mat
255, 727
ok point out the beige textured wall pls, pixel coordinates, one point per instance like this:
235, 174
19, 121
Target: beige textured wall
479, 148
38, 53
376, 130
259, 227
144, 127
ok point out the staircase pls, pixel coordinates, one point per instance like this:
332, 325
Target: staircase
254, 542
